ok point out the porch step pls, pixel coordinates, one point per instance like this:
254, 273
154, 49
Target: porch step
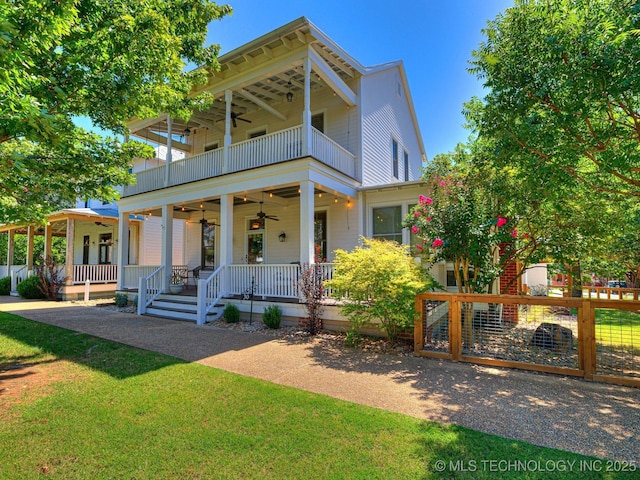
177, 307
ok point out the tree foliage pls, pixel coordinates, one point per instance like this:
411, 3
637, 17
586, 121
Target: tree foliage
108, 60
564, 91
378, 282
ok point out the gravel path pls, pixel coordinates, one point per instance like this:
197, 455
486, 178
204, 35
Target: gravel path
549, 410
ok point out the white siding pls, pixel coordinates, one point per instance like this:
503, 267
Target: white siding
151, 241
386, 115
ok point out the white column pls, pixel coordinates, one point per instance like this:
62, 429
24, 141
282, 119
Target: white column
30, 234
228, 98
169, 156
306, 113
123, 247
68, 262
48, 234
10, 249
226, 230
167, 242
306, 222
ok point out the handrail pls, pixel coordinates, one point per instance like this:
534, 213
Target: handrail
15, 279
209, 293
150, 288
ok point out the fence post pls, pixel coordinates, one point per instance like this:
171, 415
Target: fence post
87, 287
418, 334
587, 338
455, 328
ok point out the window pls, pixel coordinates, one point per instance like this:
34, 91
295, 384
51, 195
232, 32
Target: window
208, 255
104, 251
394, 150
257, 133
85, 249
255, 241
387, 223
212, 146
320, 235
317, 122
406, 166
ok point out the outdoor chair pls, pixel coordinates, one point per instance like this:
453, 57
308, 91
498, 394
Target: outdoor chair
194, 275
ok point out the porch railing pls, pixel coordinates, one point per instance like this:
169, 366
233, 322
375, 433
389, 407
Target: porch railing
95, 274
257, 152
132, 274
270, 280
328, 151
149, 288
209, 293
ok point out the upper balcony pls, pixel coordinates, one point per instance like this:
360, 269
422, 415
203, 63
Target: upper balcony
268, 149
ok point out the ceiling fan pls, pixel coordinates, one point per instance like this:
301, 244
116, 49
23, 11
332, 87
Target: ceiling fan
261, 215
236, 116
206, 223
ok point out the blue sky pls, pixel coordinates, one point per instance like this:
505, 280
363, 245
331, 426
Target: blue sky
434, 38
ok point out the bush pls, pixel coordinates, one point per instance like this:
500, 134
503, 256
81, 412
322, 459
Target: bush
5, 286
31, 288
378, 282
122, 300
272, 316
231, 314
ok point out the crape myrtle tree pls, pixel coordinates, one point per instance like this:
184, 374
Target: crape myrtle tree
458, 220
563, 115
107, 60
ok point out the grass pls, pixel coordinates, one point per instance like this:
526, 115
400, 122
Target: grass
113, 411
618, 327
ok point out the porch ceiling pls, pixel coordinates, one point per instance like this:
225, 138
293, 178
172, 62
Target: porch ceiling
245, 71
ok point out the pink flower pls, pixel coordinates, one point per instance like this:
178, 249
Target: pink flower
419, 248
425, 200
414, 229
514, 233
437, 243
443, 183
416, 213
428, 219
501, 221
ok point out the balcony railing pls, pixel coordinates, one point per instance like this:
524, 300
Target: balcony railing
257, 152
94, 273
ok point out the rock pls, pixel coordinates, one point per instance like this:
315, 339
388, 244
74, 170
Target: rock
552, 337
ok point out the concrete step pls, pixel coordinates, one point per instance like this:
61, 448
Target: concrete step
180, 308
173, 313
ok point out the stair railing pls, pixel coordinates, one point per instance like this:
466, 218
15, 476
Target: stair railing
149, 288
209, 293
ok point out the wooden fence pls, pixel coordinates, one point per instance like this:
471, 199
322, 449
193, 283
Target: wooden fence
588, 338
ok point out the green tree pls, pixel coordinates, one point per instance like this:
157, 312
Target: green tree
108, 60
564, 91
378, 282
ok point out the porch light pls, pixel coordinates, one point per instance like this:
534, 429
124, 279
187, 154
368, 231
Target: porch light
187, 132
282, 237
289, 93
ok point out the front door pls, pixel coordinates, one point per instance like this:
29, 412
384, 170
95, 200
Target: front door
255, 241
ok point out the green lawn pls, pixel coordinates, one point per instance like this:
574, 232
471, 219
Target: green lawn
618, 327
113, 411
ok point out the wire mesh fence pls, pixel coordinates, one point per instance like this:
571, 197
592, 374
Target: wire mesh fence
595, 339
617, 334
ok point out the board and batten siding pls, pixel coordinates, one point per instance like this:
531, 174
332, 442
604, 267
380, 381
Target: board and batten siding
386, 116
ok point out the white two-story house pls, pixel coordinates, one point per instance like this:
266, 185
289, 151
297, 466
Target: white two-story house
303, 151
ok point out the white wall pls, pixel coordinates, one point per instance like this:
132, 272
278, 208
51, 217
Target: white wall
151, 241
386, 115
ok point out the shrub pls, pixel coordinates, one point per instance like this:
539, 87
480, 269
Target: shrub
5, 286
379, 282
272, 316
51, 278
231, 313
31, 288
311, 288
122, 300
